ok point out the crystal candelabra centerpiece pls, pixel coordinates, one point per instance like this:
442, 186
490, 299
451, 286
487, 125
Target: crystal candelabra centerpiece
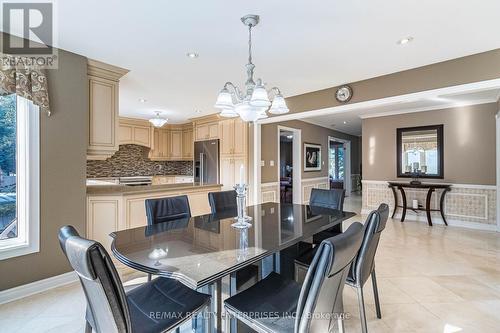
242, 220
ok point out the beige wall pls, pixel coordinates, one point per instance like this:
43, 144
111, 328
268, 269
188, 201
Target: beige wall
310, 134
469, 143
63, 144
474, 68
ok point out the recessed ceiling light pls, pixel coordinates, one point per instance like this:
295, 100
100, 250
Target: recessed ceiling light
192, 55
405, 40
142, 100
345, 122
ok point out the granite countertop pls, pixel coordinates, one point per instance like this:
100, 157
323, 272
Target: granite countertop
114, 189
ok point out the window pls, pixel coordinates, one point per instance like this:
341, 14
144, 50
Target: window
19, 176
336, 167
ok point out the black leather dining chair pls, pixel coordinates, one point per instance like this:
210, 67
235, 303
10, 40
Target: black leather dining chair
168, 209
332, 199
157, 306
224, 202
363, 265
278, 304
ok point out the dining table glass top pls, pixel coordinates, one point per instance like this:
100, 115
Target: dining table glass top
202, 249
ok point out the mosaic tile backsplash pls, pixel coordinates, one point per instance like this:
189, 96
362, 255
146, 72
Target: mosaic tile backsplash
132, 160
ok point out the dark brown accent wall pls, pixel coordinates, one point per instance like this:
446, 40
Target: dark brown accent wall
473, 68
469, 143
132, 160
311, 134
63, 146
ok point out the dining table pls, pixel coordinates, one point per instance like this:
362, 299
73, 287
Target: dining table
200, 251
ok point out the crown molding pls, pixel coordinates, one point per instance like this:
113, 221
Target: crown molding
103, 70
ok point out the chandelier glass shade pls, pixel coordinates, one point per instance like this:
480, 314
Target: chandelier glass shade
158, 121
254, 103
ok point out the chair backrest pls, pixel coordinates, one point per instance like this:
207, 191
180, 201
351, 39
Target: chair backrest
222, 201
333, 198
362, 265
101, 283
167, 209
322, 289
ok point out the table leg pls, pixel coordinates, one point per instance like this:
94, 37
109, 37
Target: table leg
218, 297
403, 196
441, 205
267, 266
395, 200
199, 323
428, 205
232, 291
277, 262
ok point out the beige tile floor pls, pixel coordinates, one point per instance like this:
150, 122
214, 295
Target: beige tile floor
431, 279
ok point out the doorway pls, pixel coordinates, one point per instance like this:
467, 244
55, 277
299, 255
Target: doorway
289, 171
339, 164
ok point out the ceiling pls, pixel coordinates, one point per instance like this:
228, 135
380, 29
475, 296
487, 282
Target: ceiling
350, 121
299, 46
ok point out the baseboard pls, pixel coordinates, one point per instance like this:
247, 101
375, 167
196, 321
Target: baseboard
36, 287
411, 217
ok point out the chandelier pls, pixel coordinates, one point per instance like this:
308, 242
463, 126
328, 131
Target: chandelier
252, 103
158, 121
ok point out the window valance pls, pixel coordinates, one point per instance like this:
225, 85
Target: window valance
18, 76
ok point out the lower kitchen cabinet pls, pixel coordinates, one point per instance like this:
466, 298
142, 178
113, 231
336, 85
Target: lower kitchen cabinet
113, 212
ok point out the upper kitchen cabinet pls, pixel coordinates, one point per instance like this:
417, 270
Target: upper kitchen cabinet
176, 144
188, 142
135, 131
173, 143
233, 135
103, 109
206, 128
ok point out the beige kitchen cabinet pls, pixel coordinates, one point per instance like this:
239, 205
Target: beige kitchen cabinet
172, 143
154, 153
175, 145
230, 171
164, 143
187, 144
135, 131
103, 82
233, 136
161, 143
111, 212
240, 139
207, 131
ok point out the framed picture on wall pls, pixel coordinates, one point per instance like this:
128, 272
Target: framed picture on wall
312, 157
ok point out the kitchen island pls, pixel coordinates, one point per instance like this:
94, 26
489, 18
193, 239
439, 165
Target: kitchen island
116, 207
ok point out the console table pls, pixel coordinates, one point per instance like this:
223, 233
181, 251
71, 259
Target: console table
430, 189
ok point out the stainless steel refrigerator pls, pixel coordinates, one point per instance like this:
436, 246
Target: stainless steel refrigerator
206, 162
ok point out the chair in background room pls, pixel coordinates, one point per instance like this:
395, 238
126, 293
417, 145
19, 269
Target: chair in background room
111, 309
363, 265
320, 294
